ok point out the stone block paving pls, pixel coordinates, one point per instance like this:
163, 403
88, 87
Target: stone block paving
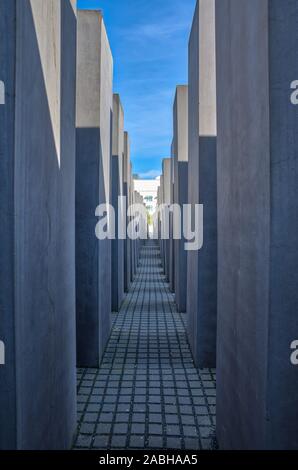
147, 393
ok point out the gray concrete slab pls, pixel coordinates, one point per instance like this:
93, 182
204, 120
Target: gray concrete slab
117, 191
37, 203
180, 149
202, 265
93, 157
171, 241
161, 240
166, 169
132, 252
127, 195
257, 45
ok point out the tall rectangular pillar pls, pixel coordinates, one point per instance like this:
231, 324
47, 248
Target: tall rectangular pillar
37, 240
166, 170
180, 190
117, 192
131, 200
161, 241
202, 264
257, 43
126, 193
93, 156
171, 241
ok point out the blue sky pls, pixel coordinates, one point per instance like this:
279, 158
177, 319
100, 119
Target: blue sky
149, 41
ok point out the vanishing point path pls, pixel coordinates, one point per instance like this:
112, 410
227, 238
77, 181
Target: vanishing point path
147, 392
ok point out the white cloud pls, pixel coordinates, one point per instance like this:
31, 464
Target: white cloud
151, 174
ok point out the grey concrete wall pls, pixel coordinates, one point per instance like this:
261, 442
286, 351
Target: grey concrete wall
180, 255
161, 241
166, 168
93, 157
132, 262
117, 190
257, 45
180, 149
8, 390
171, 241
127, 194
37, 202
202, 265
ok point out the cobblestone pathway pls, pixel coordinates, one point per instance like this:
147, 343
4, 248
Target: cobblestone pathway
147, 392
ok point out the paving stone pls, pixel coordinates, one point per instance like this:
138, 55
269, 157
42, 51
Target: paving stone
172, 419
137, 428
138, 417
93, 408
155, 442
190, 431
121, 428
206, 432
204, 420
173, 430
81, 406
103, 428
174, 443
201, 410
118, 442
87, 428
90, 417
84, 440
121, 418
155, 418
188, 419
155, 429
137, 442
100, 442
171, 409
106, 417
155, 408
96, 399
206, 444
192, 444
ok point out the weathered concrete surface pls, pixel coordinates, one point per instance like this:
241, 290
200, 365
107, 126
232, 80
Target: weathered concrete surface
161, 215
202, 265
257, 44
93, 156
37, 177
117, 190
158, 227
180, 190
127, 195
132, 254
171, 241
166, 170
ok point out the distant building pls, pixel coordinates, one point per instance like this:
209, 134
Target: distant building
148, 189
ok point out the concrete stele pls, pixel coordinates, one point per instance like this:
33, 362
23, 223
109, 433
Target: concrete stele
257, 43
117, 191
37, 205
180, 191
202, 185
93, 156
